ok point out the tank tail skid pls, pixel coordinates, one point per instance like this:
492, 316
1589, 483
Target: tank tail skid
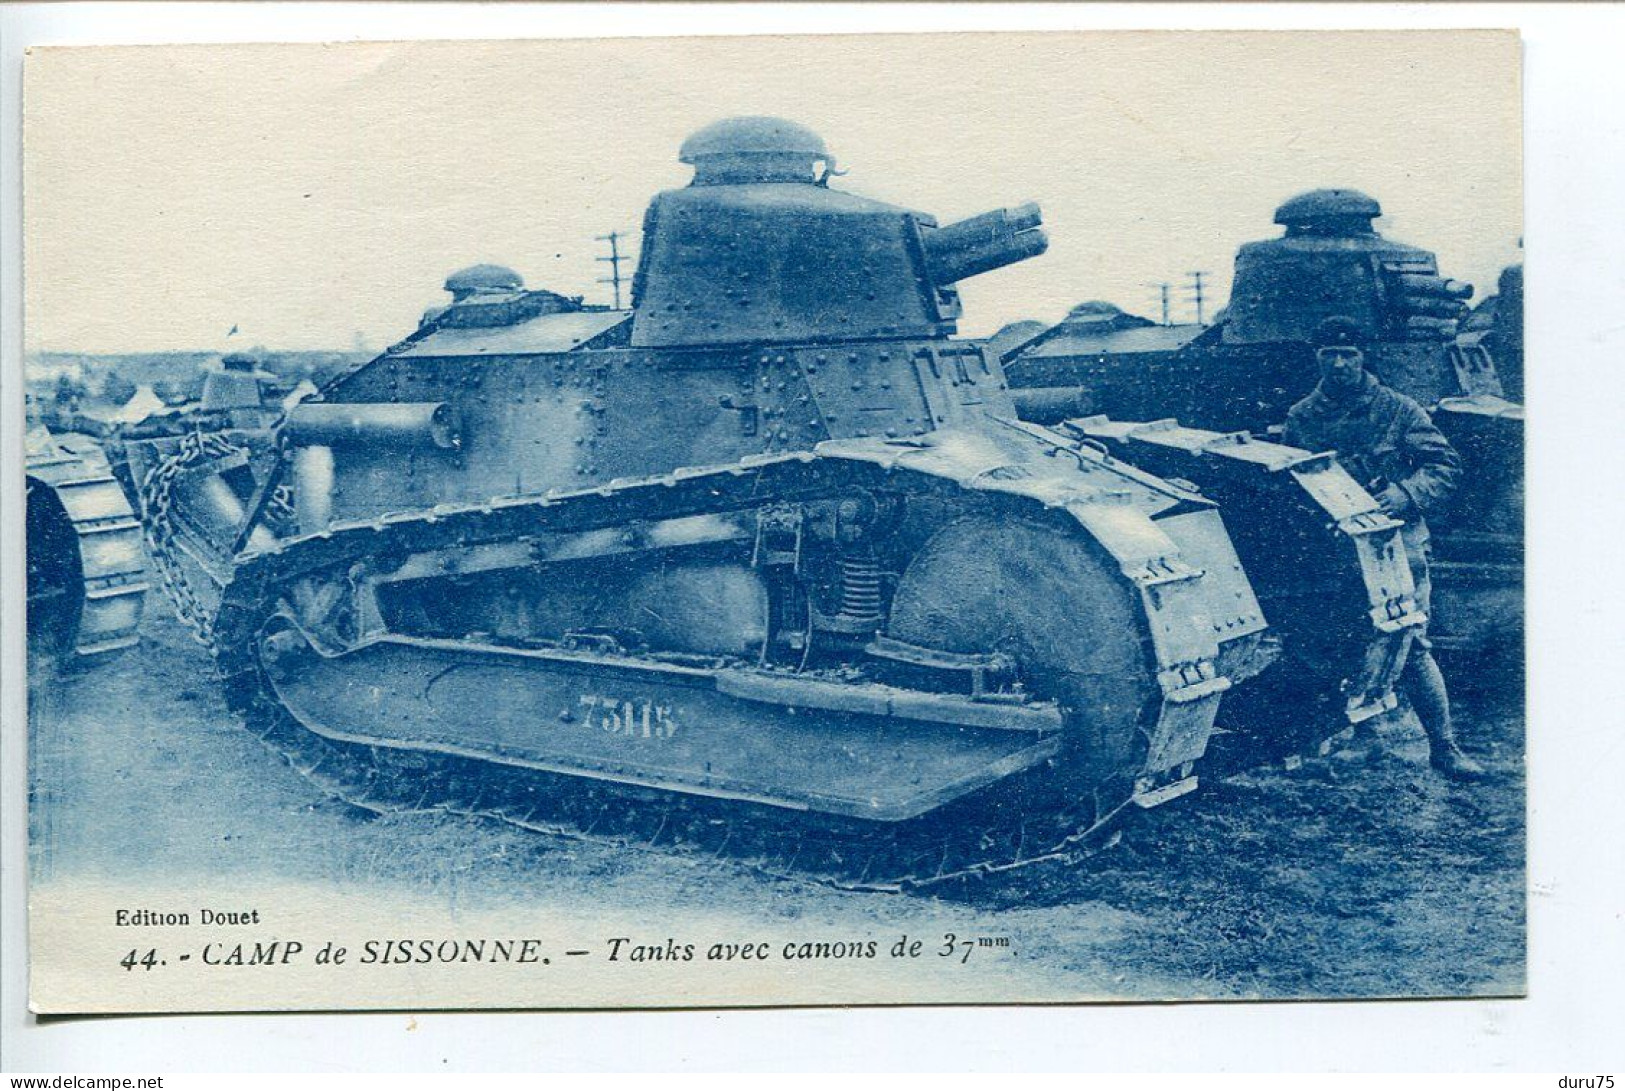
1329, 565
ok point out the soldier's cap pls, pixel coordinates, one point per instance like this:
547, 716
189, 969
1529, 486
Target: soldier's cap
1338, 330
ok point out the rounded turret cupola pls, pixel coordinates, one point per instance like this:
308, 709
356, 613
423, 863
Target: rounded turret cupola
1333, 212
1096, 309
483, 278
747, 150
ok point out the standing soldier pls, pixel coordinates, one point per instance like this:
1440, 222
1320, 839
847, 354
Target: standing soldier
1387, 442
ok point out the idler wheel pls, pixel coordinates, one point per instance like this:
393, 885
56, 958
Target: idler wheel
1061, 609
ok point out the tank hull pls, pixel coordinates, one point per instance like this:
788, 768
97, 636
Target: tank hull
343, 642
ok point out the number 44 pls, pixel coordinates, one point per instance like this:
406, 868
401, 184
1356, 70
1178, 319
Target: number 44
147, 961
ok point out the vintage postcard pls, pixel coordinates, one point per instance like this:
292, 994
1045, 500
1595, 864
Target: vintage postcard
960, 518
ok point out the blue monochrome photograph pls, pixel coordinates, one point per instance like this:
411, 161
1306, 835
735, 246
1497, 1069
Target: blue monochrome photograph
873, 520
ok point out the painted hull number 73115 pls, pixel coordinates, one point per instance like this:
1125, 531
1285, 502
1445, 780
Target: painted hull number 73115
635, 719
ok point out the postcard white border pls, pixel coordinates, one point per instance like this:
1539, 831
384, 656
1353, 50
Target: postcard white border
1575, 95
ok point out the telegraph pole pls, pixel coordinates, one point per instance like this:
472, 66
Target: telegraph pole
1162, 287
614, 258
1195, 288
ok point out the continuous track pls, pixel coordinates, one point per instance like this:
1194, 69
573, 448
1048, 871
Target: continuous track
86, 576
1035, 816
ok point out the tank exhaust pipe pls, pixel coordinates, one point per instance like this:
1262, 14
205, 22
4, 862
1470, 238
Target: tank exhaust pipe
391, 424
984, 243
313, 429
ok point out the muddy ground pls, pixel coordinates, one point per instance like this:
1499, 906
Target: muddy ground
1359, 874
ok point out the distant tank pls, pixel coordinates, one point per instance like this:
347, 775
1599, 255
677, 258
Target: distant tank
1507, 346
86, 574
767, 566
1244, 372
189, 469
1497, 325
237, 393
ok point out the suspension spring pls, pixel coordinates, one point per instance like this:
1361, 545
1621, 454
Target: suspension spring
860, 590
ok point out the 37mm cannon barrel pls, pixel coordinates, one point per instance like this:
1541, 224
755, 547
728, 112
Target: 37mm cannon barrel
982, 243
1425, 284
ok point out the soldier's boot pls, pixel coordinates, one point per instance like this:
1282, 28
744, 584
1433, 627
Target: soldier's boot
1431, 702
1446, 756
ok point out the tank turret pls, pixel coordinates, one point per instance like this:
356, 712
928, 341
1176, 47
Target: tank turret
241, 390
488, 296
1332, 261
758, 249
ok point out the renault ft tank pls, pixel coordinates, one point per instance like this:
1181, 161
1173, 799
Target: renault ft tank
1497, 324
766, 567
1247, 370
86, 574
190, 469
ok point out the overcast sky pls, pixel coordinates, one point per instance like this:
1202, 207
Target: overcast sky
312, 195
